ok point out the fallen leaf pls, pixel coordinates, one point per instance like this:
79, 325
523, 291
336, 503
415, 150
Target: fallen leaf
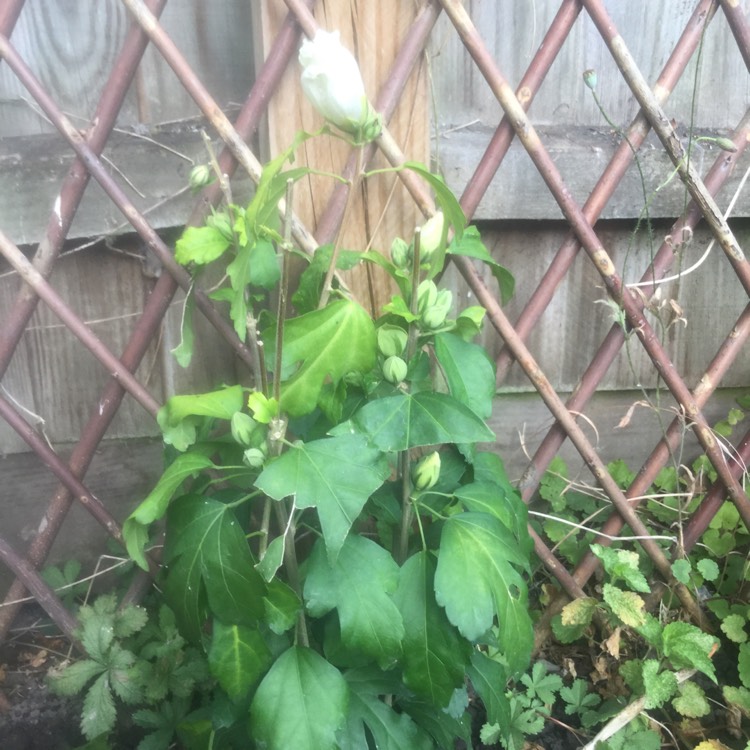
612, 644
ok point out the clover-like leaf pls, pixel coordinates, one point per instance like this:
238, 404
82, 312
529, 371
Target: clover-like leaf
300, 703
359, 585
335, 475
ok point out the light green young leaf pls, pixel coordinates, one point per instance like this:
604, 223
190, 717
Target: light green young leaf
200, 245
208, 561
681, 571
542, 685
626, 605
469, 371
435, 656
183, 352
708, 569
319, 345
659, 686
579, 612
688, 647
301, 703
220, 404
739, 697
134, 530
359, 584
237, 657
622, 565
396, 423
577, 698
475, 580
98, 715
733, 626
691, 701
335, 475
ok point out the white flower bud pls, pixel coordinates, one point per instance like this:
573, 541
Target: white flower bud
392, 340
332, 82
431, 236
427, 472
394, 370
427, 294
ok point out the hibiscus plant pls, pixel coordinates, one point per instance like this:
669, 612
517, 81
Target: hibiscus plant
337, 543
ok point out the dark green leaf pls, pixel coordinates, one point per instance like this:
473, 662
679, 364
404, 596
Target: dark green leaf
282, 606
73, 678
335, 475
208, 558
476, 580
301, 703
237, 657
489, 679
396, 423
435, 656
471, 245
359, 585
98, 715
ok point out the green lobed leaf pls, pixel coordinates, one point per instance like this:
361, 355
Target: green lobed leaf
335, 475
390, 730
626, 605
622, 564
200, 245
708, 569
359, 584
73, 678
321, 345
681, 571
282, 605
220, 404
733, 626
577, 697
691, 701
237, 657
134, 531
435, 656
469, 371
502, 502
307, 296
686, 646
541, 685
659, 686
301, 703
129, 620
396, 423
475, 580
208, 561
739, 697
98, 714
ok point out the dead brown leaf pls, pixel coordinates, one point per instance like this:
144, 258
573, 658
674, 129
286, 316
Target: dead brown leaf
612, 644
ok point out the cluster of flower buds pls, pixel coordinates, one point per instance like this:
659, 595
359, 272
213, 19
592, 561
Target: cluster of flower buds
333, 83
252, 435
430, 239
392, 343
426, 472
433, 305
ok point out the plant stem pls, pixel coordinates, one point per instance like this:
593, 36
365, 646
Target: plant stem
356, 179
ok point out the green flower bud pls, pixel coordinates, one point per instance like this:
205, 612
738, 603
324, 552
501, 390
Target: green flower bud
394, 370
200, 176
254, 458
243, 426
427, 294
427, 472
434, 316
400, 253
430, 237
221, 222
392, 340
726, 144
589, 78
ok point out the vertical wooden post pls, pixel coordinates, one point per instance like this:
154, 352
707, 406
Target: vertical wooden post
382, 209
